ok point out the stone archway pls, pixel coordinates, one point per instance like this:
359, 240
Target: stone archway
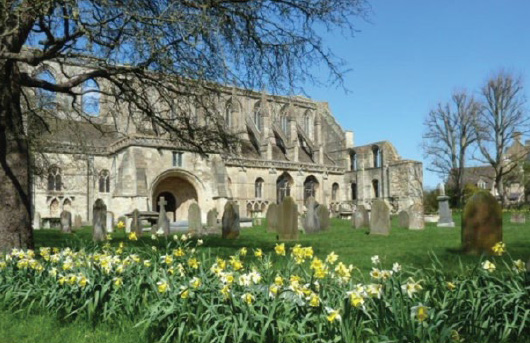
179, 194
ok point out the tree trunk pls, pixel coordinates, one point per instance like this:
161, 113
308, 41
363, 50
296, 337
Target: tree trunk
15, 195
500, 189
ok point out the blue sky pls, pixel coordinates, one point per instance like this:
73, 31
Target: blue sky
415, 53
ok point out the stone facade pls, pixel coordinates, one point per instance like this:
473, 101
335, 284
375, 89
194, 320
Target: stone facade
291, 146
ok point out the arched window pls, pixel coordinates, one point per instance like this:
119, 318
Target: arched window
353, 161
104, 181
283, 187
46, 99
376, 153
310, 187
354, 191
54, 208
258, 188
91, 97
54, 179
334, 191
307, 123
375, 186
258, 116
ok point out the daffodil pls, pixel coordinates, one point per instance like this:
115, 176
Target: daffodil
162, 286
314, 300
489, 266
179, 252
185, 293
278, 280
258, 253
499, 248
332, 258
450, 285
273, 290
132, 236
248, 298
200, 242
519, 266
333, 315
118, 282
411, 287
225, 292
356, 298
420, 312
120, 225
243, 252
195, 282
280, 249
375, 259
396, 267
193, 263
376, 274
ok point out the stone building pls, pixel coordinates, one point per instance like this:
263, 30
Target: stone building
289, 146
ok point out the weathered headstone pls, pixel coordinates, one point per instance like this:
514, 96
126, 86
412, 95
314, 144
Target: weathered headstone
311, 222
211, 218
135, 225
481, 224
99, 214
288, 223
416, 218
380, 219
518, 218
37, 223
445, 213
110, 222
163, 221
273, 217
66, 222
78, 221
360, 217
230, 221
404, 219
194, 220
323, 217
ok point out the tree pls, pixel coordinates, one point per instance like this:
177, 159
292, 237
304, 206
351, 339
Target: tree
449, 133
147, 52
501, 117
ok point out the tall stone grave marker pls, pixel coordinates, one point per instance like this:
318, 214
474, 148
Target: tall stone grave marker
37, 224
163, 222
481, 224
78, 221
211, 218
416, 219
99, 214
135, 225
360, 217
110, 222
404, 219
66, 222
323, 217
445, 213
273, 217
194, 220
230, 221
288, 223
380, 219
311, 222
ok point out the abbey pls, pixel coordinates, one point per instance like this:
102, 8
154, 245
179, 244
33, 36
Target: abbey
290, 146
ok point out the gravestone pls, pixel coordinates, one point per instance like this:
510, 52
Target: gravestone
481, 224
404, 219
99, 214
288, 223
311, 222
163, 221
518, 218
110, 222
230, 221
78, 221
135, 225
360, 217
323, 217
445, 213
37, 224
194, 220
380, 219
211, 218
272, 218
416, 219
66, 222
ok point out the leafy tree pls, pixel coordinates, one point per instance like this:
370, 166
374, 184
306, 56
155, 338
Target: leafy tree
146, 52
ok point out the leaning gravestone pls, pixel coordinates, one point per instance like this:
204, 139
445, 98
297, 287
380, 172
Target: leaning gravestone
78, 221
481, 224
311, 222
163, 222
37, 224
99, 214
66, 222
135, 225
273, 216
323, 217
110, 222
404, 219
445, 213
518, 218
360, 217
194, 219
288, 223
211, 218
380, 219
416, 219
230, 221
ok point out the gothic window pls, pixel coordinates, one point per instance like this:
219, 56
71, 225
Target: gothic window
376, 156
481, 184
284, 124
307, 123
258, 188
177, 159
54, 179
353, 161
283, 187
354, 191
91, 97
46, 99
334, 191
375, 186
104, 181
258, 116
54, 208
310, 187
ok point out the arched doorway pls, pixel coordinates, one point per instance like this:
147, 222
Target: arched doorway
178, 192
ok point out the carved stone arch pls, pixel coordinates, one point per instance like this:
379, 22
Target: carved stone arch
258, 112
232, 112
